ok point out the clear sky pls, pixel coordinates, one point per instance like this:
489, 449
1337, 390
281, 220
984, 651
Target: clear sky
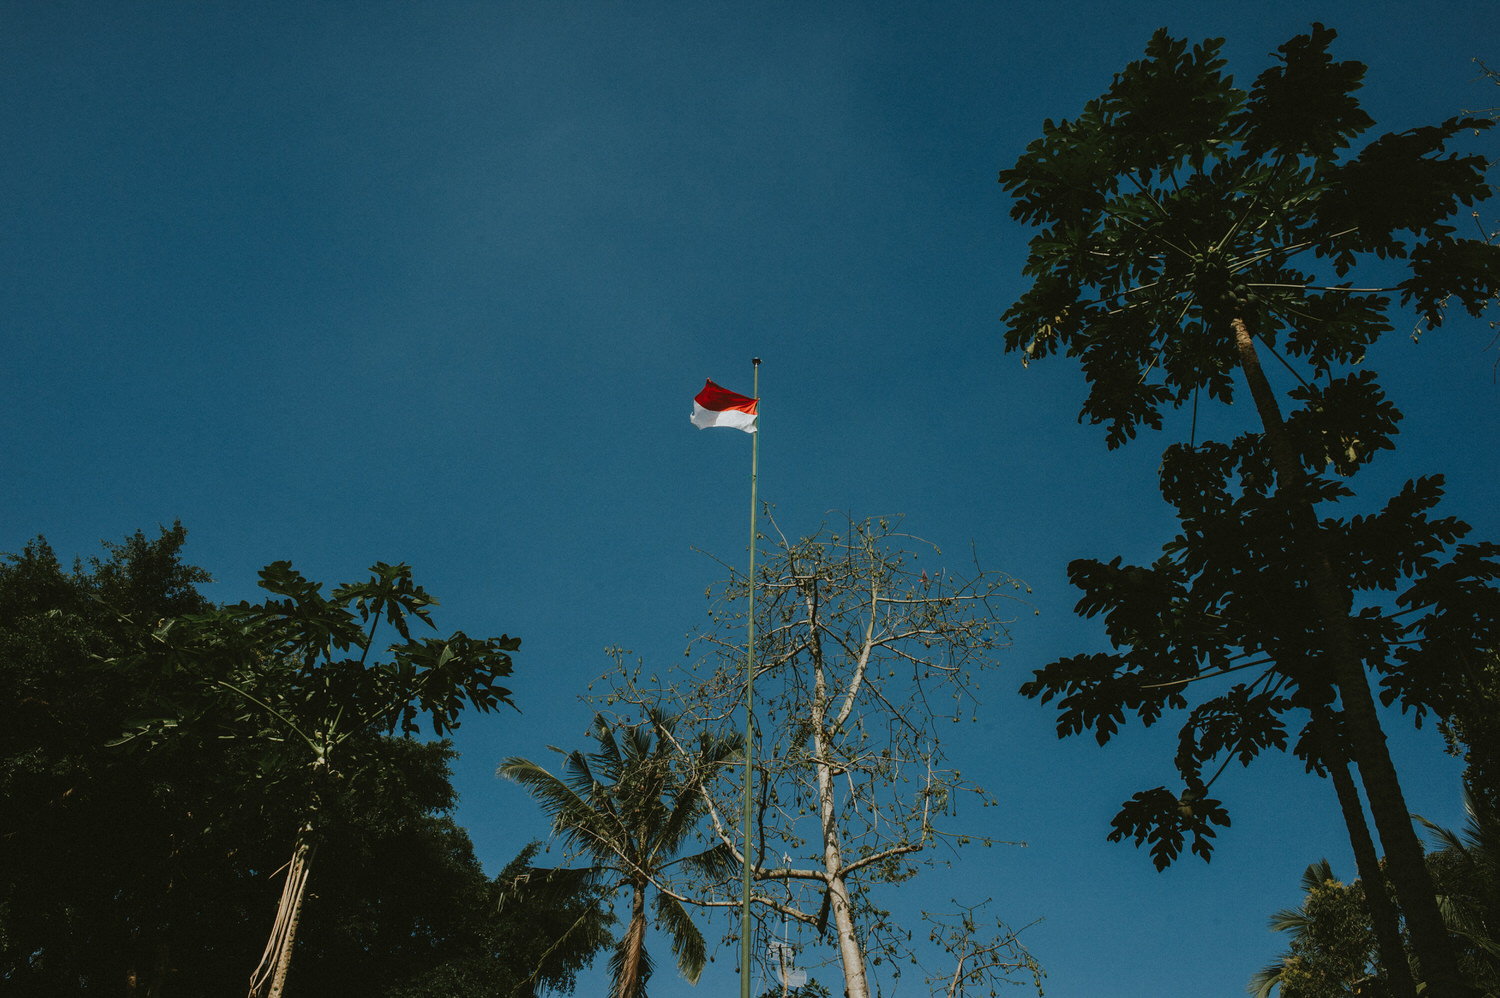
346, 282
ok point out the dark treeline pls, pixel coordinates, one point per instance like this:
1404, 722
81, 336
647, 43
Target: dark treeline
153, 866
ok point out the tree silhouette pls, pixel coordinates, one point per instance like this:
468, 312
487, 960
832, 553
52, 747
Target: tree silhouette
630, 807
1187, 225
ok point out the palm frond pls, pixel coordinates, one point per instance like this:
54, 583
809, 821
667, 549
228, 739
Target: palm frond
553, 886
638, 742
1288, 920
1264, 980
714, 864
677, 824
575, 819
1317, 874
608, 758
578, 775
1445, 837
687, 941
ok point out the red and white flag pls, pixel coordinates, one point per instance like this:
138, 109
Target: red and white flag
715, 406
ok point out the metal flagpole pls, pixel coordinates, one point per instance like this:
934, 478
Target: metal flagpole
750, 700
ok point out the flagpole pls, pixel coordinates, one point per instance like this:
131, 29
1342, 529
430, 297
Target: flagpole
749, 703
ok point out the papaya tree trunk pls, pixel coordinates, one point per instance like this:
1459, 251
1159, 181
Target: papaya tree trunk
277, 959
1330, 599
1383, 918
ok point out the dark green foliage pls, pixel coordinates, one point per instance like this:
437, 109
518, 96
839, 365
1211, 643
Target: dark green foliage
291, 682
1227, 595
298, 665
1332, 953
140, 864
1472, 728
1228, 598
532, 930
94, 853
1466, 870
1332, 950
1175, 203
1175, 207
403, 909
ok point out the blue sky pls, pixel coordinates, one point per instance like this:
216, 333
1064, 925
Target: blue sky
344, 282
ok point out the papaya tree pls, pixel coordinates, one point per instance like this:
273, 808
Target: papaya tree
294, 678
1186, 227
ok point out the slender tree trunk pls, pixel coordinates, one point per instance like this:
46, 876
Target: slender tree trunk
284, 960
634, 944
1403, 850
1383, 917
851, 954
277, 959
958, 976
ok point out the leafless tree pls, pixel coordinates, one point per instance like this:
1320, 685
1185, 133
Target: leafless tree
864, 655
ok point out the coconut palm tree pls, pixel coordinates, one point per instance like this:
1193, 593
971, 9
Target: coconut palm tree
630, 808
1466, 869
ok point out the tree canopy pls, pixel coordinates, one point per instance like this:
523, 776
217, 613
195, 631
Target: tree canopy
630, 808
1177, 203
1332, 951
1186, 225
865, 654
148, 865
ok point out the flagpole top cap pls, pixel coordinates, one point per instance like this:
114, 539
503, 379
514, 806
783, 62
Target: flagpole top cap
755, 361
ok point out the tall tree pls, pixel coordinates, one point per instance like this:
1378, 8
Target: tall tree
863, 657
293, 678
74, 915
629, 808
196, 826
1187, 226
196, 820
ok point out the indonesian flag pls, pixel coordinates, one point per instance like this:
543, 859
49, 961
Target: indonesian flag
715, 406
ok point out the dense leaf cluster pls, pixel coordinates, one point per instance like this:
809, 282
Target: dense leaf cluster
1181, 221
1177, 202
1332, 952
149, 864
1228, 598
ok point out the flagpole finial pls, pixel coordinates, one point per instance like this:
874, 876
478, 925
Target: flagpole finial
755, 361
